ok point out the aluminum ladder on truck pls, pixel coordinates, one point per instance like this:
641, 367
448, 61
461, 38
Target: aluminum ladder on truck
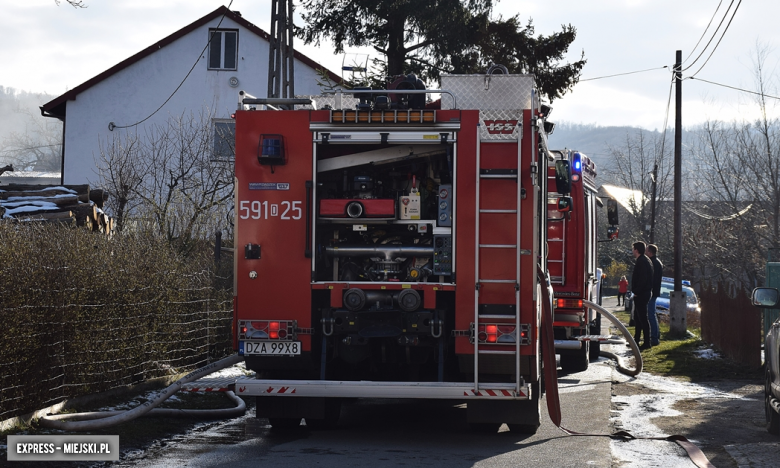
556, 254
486, 207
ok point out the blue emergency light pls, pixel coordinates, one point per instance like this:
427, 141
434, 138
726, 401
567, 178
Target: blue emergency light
577, 163
270, 150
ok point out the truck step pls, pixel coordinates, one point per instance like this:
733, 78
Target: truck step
367, 389
606, 339
219, 384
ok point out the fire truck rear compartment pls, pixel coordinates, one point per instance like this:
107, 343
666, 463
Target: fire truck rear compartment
376, 220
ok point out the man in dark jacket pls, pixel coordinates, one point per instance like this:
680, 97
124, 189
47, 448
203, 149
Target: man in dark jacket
642, 287
658, 273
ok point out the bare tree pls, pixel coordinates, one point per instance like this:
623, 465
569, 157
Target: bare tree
73, 3
169, 177
633, 167
37, 148
118, 169
739, 211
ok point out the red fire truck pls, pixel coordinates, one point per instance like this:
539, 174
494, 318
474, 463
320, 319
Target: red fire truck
389, 249
572, 240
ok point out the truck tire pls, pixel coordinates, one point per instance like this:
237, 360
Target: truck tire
595, 351
525, 415
595, 346
484, 428
285, 424
532, 409
331, 419
576, 360
772, 417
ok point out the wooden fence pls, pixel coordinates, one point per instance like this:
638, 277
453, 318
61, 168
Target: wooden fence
731, 324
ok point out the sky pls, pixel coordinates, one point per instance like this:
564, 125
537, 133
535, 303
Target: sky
52, 48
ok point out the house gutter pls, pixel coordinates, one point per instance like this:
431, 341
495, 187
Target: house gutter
61, 118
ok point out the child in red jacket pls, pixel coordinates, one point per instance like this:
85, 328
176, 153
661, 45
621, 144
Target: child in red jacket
622, 289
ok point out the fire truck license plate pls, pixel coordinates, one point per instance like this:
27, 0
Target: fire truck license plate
271, 348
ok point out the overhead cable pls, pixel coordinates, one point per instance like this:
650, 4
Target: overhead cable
622, 74
714, 33
721, 38
666, 118
705, 31
111, 125
734, 87
719, 218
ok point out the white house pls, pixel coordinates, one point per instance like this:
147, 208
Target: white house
235, 59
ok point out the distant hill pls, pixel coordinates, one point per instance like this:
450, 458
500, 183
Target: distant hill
595, 141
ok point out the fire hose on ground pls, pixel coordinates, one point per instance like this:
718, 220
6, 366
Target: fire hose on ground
629, 338
551, 377
102, 419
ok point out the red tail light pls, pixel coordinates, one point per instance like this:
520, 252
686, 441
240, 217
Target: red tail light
267, 330
569, 303
494, 333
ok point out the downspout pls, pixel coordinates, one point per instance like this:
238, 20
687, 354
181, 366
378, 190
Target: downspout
62, 155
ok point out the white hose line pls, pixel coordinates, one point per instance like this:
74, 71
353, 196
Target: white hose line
634, 347
123, 416
238, 410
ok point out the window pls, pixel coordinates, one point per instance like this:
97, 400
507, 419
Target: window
223, 49
224, 140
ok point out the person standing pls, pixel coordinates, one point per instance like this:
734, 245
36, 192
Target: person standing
658, 272
642, 287
622, 289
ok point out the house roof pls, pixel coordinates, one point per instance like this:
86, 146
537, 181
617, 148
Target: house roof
56, 107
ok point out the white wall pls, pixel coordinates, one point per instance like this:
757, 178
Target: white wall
133, 93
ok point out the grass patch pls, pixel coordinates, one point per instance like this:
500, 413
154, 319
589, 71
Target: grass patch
677, 357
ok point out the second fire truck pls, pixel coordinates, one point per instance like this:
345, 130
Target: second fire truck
572, 240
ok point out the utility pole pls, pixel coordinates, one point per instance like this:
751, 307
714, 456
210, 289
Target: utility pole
281, 79
654, 176
677, 305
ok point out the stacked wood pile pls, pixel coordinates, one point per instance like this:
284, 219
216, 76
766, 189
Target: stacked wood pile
76, 205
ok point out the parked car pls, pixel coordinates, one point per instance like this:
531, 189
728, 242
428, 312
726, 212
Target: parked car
662, 303
770, 298
667, 286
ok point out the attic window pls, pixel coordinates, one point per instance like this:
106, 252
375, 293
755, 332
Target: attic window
223, 49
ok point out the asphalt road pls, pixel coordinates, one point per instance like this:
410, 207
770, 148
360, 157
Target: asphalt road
394, 433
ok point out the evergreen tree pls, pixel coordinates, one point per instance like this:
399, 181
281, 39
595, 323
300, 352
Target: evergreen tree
431, 37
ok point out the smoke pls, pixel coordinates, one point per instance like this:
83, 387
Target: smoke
26, 137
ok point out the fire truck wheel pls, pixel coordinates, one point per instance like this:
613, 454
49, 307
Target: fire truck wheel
595, 351
284, 424
532, 413
577, 360
485, 428
331, 420
595, 347
772, 417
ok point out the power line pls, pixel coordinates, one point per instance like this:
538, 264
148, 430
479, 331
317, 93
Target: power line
623, 74
721, 38
733, 87
111, 125
705, 30
666, 118
713, 34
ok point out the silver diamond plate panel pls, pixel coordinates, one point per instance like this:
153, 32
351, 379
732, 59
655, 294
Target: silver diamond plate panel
347, 101
500, 124
494, 92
